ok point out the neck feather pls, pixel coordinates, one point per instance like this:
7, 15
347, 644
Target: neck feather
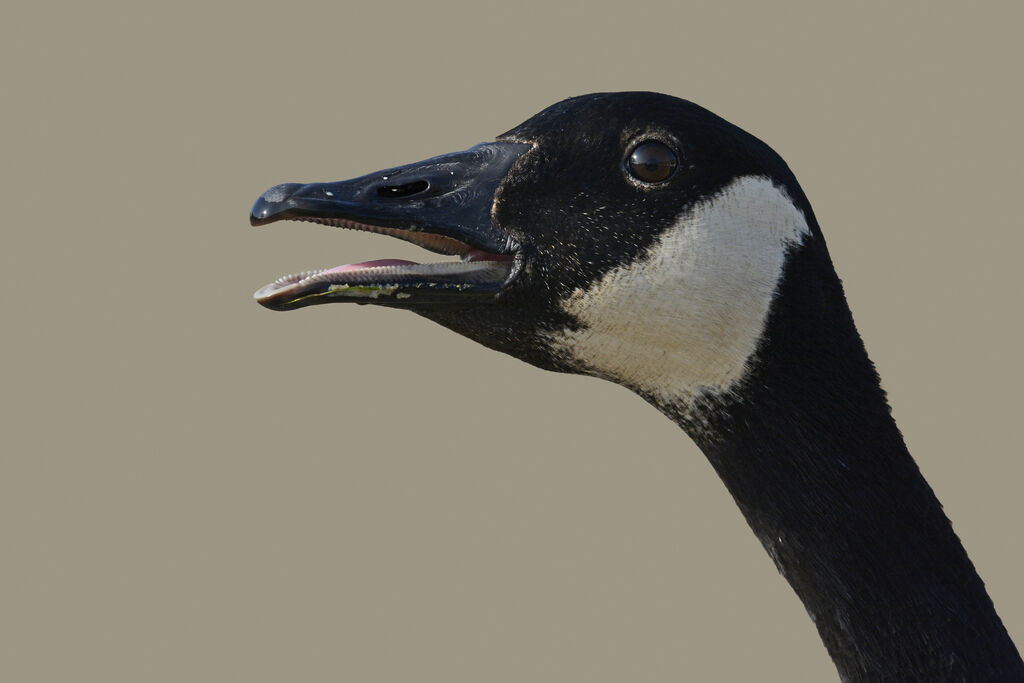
807, 447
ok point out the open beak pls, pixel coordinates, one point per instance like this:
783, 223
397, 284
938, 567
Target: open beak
443, 204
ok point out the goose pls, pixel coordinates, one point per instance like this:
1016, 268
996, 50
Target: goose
642, 239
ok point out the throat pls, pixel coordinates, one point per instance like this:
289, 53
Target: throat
849, 521
808, 449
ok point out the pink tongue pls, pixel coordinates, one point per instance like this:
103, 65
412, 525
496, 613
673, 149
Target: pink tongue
370, 264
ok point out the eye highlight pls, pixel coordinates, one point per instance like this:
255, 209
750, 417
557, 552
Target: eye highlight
652, 162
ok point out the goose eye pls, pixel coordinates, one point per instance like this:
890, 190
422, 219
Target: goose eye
651, 162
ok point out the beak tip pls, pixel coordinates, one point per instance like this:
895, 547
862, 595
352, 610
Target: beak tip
258, 215
271, 203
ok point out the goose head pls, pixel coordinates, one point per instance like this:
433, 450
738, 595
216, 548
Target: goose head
631, 236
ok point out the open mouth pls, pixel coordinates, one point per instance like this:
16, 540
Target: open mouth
443, 204
477, 275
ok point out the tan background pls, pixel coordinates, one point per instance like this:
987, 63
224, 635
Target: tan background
196, 489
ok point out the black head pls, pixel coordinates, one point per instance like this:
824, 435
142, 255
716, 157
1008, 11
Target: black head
585, 187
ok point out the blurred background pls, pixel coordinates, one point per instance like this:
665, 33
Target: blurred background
193, 488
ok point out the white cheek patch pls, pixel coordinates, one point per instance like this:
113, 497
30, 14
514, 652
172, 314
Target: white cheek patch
685, 319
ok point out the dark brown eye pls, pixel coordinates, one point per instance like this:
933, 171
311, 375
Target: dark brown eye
651, 162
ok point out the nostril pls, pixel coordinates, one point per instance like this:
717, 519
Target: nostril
396, 191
